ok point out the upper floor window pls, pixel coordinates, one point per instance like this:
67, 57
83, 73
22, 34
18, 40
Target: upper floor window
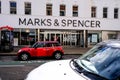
93, 11
62, 10
49, 9
27, 8
75, 11
105, 11
0, 6
116, 13
13, 8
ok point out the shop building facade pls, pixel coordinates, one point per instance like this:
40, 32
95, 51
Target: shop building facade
71, 22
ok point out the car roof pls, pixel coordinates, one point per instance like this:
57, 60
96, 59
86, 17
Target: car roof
111, 43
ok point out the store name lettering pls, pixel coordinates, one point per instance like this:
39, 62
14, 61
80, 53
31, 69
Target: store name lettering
57, 22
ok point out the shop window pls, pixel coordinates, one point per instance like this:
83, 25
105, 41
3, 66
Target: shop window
62, 10
0, 6
13, 8
116, 13
93, 12
105, 11
75, 11
93, 38
27, 8
49, 9
112, 36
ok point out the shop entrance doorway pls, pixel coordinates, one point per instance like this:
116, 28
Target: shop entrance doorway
67, 39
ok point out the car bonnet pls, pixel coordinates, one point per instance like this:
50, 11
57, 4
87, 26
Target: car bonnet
56, 70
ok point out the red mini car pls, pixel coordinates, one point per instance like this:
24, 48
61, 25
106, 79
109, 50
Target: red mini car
41, 49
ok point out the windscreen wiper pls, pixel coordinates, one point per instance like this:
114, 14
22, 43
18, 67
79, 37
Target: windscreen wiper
78, 68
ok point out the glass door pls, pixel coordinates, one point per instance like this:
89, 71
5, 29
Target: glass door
67, 39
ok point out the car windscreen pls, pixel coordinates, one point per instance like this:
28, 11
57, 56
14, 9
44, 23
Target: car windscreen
102, 60
38, 44
34, 45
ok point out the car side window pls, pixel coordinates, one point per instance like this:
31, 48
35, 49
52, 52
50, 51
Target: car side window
56, 44
48, 45
40, 45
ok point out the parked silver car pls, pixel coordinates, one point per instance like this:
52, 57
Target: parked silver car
102, 62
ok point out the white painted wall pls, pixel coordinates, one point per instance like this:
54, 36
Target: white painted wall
39, 7
110, 4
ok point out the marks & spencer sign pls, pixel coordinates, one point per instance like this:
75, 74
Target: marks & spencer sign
61, 23
52, 22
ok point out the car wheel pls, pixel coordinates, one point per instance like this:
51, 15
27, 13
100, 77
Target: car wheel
24, 56
57, 55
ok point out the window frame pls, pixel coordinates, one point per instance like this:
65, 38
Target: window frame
0, 7
116, 14
49, 9
75, 11
13, 7
105, 12
93, 11
27, 6
62, 10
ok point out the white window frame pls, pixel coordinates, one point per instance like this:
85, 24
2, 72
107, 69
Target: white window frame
116, 14
75, 12
62, 11
49, 9
93, 11
105, 12
13, 9
27, 8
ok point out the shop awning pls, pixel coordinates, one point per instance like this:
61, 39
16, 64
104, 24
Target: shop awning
6, 28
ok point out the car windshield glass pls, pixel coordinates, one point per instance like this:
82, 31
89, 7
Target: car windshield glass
34, 45
102, 60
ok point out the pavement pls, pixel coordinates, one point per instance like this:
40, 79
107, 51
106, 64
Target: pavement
67, 51
76, 50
